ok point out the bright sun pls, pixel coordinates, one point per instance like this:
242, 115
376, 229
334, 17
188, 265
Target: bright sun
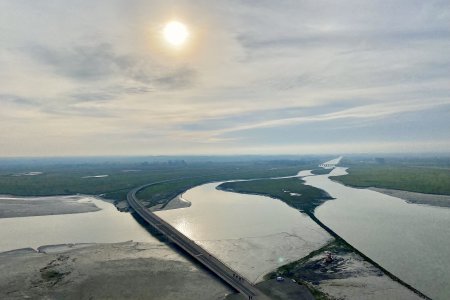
175, 33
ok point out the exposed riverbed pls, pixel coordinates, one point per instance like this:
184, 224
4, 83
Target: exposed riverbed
86, 255
103, 225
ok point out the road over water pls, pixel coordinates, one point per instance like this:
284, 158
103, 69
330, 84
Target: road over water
227, 274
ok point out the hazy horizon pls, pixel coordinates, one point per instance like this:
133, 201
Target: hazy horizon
85, 78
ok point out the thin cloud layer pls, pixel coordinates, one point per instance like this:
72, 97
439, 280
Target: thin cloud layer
85, 78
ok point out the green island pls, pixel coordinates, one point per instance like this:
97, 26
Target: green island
321, 171
292, 191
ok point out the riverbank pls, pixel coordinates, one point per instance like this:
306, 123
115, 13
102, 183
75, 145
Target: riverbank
362, 282
106, 271
416, 198
242, 231
407, 240
292, 191
177, 202
103, 225
419, 179
12, 207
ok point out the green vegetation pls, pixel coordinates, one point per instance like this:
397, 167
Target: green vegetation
421, 179
321, 171
68, 178
290, 190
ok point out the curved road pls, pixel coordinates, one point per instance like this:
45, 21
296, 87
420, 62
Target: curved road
227, 274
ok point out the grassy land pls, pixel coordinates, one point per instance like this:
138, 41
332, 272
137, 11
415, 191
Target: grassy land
67, 179
290, 190
421, 179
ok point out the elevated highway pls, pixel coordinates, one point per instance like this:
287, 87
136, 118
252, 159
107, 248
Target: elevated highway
233, 278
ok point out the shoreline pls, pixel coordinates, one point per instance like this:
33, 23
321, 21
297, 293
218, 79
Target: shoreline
181, 203
436, 200
176, 203
32, 206
340, 239
368, 259
407, 196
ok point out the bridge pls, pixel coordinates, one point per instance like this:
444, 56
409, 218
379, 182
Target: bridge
233, 278
331, 163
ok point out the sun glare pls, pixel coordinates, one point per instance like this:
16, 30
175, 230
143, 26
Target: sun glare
175, 33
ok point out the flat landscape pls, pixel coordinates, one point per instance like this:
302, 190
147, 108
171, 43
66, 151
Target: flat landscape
106, 271
348, 275
68, 177
65, 269
225, 150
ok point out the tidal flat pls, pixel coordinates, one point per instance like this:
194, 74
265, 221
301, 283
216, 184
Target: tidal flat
128, 270
417, 198
88, 255
11, 207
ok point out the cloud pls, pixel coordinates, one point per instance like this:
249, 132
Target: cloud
108, 93
354, 38
365, 113
83, 62
16, 100
262, 77
100, 62
179, 79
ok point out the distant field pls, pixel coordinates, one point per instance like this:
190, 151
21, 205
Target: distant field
67, 179
427, 179
289, 190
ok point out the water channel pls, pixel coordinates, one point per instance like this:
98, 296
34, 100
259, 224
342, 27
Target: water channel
253, 234
411, 241
104, 226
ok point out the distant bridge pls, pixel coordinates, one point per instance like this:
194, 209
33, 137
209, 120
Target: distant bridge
331, 163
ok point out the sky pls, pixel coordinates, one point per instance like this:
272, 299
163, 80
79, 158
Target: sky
254, 77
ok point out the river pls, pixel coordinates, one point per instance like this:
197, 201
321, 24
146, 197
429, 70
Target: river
411, 241
253, 234
104, 226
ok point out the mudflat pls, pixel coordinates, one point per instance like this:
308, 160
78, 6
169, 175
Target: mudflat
12, 207
126, 270
417, 198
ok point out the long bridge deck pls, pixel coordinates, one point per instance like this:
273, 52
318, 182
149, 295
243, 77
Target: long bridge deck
233, 278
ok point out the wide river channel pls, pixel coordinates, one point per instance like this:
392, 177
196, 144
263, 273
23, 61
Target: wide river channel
411, 241
253, 234
107, 225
